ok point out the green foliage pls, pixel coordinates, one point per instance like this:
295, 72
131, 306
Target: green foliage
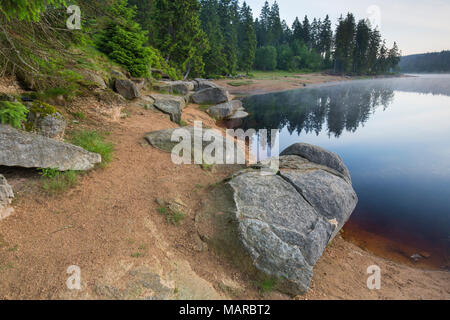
267, 285
266, 58
94, 142
176, 31
13, 113
124, 41
54, 181
26, 9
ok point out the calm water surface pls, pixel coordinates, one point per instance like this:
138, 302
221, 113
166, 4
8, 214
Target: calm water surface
394, 136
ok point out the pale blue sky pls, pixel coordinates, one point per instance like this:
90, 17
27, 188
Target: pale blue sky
417, 25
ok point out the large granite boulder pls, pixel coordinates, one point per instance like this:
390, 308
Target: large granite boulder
172, 105
204, 84
167, 140
6, 197
283, 221
126, 88
318, 155
180, 87
23, 149
211, 96
225, 110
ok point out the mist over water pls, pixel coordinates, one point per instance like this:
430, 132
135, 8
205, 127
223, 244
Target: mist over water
394, 136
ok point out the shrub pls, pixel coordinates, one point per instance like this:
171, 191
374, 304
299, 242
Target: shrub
12, 113
94, 142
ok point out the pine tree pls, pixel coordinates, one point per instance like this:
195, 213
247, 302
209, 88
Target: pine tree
247, 39
374, 47
263, 31
361, 51
325, 40
275, 27
178, 35
229, 22
214, 57
123, 40
394, 55
305, 33
344, 44
297, 30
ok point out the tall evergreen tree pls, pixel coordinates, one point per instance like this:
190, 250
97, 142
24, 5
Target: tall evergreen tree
229, 22
325, 40
178, 35
374, 47
247, 38
214, 57
361, 51
275, 28
344, 44
305, 33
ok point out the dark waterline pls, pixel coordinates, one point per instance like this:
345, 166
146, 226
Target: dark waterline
394, 136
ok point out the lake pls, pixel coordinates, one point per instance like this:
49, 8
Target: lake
394, 136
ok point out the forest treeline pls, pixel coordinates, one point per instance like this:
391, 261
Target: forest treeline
427, 62
193, 38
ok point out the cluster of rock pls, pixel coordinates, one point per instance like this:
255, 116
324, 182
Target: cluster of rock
285, 220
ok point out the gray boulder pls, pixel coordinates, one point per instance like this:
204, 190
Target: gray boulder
126, 88
23, 149
317, 155
6, 197
172, 105
52, 126
240, 114
211, 96
283, 221
163, 140
180, 87
204, 84
225, 110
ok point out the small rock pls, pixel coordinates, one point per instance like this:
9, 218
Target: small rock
127, 88
6, 197
416, 257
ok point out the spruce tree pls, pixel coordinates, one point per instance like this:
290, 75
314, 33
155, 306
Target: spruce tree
178, 35
123, 40
247, 38
361, 51
325, 40
214, 57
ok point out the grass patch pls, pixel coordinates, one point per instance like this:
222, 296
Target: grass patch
136, 254
240, 83
183, 123
173, 217
204, 106
94, 142
267, 285
54, 181
78, 115
207, 166
275, 75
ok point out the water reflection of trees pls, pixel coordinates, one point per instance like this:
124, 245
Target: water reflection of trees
338, 108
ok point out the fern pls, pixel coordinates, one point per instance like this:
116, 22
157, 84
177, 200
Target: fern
12, 113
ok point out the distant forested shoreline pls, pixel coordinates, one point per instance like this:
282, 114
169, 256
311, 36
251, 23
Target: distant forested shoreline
434, 62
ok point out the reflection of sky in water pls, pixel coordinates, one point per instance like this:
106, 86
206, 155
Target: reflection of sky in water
399, 158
